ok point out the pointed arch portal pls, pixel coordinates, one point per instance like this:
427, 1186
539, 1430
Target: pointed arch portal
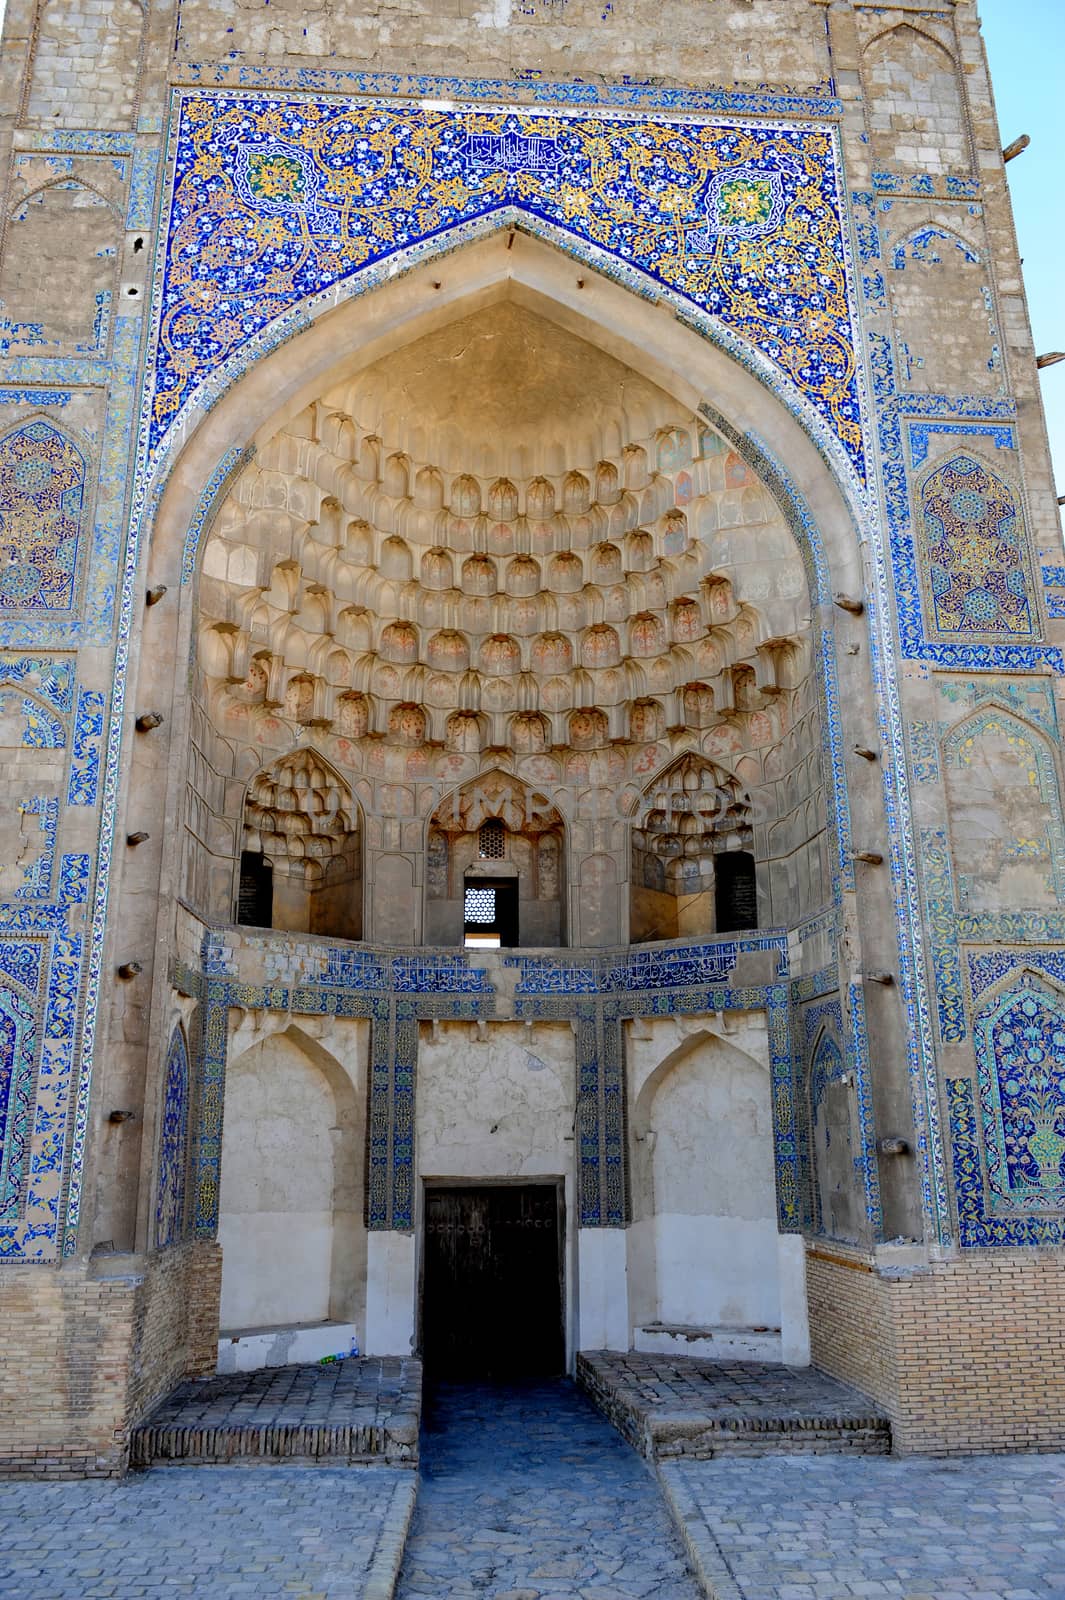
217, 424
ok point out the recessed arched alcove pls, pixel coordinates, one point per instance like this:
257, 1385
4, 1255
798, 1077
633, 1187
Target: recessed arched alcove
429, 596
705, 1253
300, 864
693, 874
290, 1207
495, 867
501, 543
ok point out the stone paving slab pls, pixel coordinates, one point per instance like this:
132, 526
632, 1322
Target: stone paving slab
355, 1410
683, 1406
212, 1533
528, 1494
917, 1528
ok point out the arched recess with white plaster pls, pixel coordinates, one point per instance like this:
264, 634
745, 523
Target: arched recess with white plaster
682, 362
709, 1272
290, 1209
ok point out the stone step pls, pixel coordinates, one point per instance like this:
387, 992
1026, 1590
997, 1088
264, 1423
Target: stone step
676, 1407
343, 1412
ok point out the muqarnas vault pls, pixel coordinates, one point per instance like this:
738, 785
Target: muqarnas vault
531, 625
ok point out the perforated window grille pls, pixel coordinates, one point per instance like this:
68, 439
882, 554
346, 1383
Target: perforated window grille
492, 840
480, 906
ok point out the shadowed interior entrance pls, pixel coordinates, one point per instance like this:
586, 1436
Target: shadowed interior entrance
492, 1288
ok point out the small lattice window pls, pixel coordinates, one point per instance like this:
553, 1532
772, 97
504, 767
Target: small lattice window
481, 906
492, 840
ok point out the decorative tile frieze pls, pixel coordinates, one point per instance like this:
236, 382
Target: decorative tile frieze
525, 88
84, 777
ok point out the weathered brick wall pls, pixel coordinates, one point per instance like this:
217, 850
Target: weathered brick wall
87, 1356
754, 42
849, 1332
175, 1323
63, 1380
965, 1354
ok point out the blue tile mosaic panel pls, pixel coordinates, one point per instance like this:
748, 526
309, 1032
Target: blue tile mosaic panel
173, 1136
1020, 1055
84, 779
973, 552
978, 1225
644, 969
37, 874
931, 244
42, 500
277, 199
818, 100
988, 967
1000, 434
827, 1065
599, 1123
49, 679
18, 1051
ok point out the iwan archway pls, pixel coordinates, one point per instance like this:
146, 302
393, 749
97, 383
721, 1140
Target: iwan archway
426, 598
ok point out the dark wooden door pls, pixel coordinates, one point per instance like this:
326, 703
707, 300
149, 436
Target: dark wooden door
492, 1284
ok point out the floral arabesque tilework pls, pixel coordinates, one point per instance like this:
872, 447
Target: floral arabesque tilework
276, 199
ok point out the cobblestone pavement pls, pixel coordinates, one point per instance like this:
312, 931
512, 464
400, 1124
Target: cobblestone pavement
816, 1528
528, 1494
216, 1533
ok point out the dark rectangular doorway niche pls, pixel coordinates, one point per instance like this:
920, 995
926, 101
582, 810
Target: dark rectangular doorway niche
490, 913
492, 1274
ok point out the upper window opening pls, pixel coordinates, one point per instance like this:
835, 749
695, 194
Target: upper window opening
490, 913
492, 840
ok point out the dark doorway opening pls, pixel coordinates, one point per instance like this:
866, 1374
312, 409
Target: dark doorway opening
736, 891
490, 913
492, 1281
255, 895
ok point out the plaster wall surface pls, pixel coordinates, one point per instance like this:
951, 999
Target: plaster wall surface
703, 1245
497, 1107
290, 1218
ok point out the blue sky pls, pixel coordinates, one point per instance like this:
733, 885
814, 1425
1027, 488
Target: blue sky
1025, 42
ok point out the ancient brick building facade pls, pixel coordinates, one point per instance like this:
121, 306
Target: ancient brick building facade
532, 613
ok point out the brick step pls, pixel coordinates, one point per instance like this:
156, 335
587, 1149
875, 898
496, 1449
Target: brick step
678, 1407
338, 1414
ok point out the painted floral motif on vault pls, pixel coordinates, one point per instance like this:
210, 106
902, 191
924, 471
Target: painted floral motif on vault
974, 551
1021, 1055
42, 491
277, 200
